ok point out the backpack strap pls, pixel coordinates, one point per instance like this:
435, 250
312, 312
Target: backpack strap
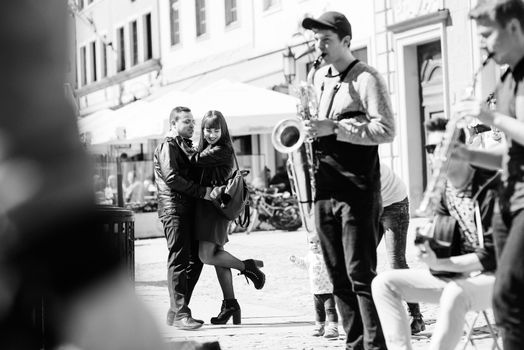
244, 222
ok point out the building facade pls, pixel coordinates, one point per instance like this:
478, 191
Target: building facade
427, 51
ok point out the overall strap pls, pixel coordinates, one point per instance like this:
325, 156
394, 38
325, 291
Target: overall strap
342, 76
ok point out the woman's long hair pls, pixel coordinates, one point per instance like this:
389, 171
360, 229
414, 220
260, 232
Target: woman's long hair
214, 120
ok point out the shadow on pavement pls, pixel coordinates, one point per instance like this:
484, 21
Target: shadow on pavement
151, 283
265, 325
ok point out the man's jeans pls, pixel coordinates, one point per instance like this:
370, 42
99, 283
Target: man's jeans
183, 265
349, 234
508, 299
455, 297
395, 219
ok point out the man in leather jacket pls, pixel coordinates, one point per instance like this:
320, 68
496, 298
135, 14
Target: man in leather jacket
176, 200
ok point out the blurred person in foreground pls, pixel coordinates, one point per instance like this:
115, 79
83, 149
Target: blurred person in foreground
54, 258
354, 117
177, 195
500, 24
453, 279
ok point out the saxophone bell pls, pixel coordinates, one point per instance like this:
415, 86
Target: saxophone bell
288, 135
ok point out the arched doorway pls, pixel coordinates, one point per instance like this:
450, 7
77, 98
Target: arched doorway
431, 90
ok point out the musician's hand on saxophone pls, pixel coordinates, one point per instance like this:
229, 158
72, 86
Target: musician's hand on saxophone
320, 128
473, 108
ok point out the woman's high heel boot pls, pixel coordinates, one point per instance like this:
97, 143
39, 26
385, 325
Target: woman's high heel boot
229, 308
253, 272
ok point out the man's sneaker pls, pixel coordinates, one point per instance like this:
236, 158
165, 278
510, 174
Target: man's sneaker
331, 331
186, 323
318, 330
417, 325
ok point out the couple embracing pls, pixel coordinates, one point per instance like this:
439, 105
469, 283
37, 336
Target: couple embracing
195, 230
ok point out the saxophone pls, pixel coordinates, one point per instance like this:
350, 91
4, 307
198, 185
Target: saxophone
289, 136
442, 154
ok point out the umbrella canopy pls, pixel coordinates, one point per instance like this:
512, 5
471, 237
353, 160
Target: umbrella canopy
94, 125
247, 109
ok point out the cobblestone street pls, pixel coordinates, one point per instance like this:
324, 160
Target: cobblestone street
280, 316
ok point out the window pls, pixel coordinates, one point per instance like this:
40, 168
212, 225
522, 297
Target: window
103, 59
200, 7
361, 54
268, 4
133, 36
231, 11
83, 66
121, 48
148, 43
175, 22
242, 145
93, 61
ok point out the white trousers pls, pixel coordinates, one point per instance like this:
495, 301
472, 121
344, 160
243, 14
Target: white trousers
455, 297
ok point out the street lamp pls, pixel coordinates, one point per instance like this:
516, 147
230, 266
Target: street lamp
288, 58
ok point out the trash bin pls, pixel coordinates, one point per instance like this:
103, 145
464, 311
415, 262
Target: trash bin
119, 223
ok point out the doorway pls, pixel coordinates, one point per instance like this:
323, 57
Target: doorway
431, 92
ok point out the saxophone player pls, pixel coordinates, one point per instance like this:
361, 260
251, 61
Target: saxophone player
500, 24
354, 117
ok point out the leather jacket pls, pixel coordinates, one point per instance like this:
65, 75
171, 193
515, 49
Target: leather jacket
173, 174
214, 164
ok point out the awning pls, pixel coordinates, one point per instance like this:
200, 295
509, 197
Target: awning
247, 109
94, 127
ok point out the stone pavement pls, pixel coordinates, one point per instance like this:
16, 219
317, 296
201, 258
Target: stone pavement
280, 316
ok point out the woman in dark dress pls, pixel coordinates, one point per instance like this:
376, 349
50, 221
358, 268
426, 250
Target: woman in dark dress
215, 161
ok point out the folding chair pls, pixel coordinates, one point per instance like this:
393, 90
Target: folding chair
470, 328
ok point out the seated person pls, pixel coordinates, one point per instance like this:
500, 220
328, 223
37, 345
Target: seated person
281, 180
134, 191
110, 191
449, 280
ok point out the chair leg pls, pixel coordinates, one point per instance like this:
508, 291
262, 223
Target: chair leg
469, 332
492, 332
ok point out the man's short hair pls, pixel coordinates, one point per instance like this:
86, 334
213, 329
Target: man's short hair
176, 112
498, 11
439, 124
